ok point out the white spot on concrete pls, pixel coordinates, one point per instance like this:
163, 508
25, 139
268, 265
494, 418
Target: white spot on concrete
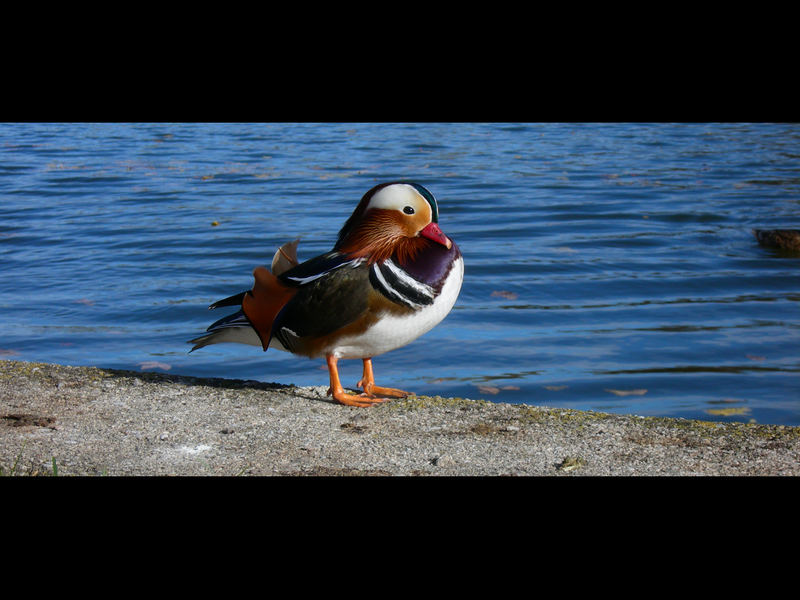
196, 449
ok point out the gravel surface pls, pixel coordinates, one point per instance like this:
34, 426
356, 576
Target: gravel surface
89, 421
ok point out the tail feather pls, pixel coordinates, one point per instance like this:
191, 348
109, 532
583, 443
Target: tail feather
235, 300
252, 324
234, 328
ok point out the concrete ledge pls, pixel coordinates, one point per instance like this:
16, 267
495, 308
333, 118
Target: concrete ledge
88, 421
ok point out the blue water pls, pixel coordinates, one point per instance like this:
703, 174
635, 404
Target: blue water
608, 266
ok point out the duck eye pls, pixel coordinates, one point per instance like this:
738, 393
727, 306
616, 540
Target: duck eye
409, 210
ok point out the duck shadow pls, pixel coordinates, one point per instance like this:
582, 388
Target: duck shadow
317, 393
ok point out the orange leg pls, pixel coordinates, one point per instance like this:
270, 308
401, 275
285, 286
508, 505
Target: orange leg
337, 391
367, 382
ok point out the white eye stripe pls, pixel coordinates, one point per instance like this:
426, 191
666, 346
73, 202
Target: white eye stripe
395, 197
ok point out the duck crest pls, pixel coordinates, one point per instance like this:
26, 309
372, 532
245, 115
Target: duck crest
355, 218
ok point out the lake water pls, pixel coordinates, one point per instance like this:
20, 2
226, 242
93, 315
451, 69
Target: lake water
609, 266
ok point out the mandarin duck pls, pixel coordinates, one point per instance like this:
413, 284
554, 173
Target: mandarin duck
391, 276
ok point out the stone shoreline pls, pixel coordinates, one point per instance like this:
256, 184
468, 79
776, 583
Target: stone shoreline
87, 421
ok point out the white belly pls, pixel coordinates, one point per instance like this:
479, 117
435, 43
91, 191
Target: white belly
393, 332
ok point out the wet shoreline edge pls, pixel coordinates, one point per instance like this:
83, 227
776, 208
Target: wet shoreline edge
88, 421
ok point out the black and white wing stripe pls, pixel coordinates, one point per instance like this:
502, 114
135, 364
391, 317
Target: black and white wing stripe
398, 286
317, 267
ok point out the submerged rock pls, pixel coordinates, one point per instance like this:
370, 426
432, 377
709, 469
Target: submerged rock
783, 239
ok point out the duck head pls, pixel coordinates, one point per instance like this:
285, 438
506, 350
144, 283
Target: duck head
392, 218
